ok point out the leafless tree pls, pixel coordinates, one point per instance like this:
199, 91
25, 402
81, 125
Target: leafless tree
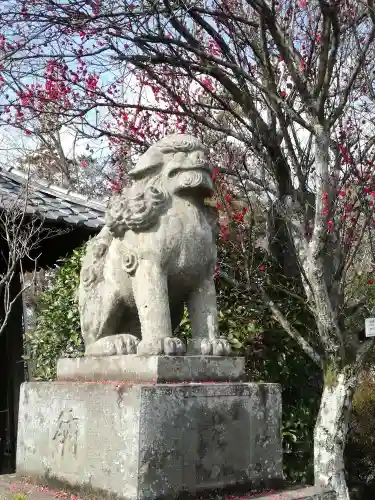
21, 236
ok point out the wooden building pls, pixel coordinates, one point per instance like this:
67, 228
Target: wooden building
72, 219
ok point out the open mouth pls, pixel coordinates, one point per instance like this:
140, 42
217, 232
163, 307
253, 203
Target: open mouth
199, 168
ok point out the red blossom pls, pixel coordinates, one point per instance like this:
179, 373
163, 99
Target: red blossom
224, 232
214, 173
92, 82
208, 84
239, 217
345, 155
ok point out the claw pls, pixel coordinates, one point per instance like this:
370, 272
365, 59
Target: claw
209, 347
170, 346
113, 345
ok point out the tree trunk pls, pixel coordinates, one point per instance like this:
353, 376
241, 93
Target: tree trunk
330, 434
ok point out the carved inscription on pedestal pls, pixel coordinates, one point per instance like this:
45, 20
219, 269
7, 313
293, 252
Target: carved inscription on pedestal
65, 437
66, 440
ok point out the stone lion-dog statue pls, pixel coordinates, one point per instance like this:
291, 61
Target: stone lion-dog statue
155, 254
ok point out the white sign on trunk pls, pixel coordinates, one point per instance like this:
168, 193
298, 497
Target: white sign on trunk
370, 327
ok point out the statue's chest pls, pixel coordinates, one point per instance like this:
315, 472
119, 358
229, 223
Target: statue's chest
190, 247
182, 243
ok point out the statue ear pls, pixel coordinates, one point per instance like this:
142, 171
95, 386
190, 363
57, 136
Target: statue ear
152, 159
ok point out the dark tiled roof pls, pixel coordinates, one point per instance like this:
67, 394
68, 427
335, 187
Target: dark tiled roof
52, 203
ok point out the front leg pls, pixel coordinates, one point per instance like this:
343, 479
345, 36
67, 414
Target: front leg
150, 288
203, 315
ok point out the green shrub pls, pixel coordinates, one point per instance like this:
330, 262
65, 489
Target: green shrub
19, 496
57, 326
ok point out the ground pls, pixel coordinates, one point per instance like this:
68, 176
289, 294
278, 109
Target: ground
13, 488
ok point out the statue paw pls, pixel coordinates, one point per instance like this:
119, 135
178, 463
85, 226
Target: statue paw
170, 346
113, 345
209, 347
173, 346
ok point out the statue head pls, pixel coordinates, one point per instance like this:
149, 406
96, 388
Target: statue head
180, 164
177, 165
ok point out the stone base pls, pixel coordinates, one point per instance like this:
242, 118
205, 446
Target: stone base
143, 442
11, 484
156, 369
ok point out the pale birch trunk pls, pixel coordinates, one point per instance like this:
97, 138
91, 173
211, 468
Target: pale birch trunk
330, 435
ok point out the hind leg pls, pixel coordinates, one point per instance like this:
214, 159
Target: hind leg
102, 321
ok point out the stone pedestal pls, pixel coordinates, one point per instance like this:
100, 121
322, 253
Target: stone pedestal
138, 369
147, 441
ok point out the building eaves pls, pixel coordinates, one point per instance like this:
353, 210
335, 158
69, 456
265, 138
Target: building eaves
50, 202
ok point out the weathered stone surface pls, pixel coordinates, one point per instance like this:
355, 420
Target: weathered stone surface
152, 368
155, 254
307, 493
141, 442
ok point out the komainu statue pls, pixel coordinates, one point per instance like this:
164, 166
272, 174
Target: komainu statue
155, 254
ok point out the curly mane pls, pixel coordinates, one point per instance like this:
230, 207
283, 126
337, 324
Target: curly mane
136, 209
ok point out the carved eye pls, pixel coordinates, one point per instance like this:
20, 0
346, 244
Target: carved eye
157, 196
